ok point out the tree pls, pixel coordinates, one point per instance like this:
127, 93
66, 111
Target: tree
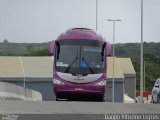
5, 41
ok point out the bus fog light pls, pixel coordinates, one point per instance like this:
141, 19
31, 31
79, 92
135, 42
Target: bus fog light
55, 81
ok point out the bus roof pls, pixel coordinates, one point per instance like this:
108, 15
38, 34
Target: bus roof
80, 33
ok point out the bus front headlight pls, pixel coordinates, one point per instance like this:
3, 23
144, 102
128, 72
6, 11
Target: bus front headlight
101, 83
55, 81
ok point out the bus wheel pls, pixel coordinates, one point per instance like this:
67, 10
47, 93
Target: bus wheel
102, 99
57, 99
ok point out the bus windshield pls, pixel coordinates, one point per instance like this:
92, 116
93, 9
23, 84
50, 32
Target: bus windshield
80, 57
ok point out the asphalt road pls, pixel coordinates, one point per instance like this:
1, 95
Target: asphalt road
59, 107
47, 110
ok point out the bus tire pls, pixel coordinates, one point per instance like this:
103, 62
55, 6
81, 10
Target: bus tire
57, 99
102, 99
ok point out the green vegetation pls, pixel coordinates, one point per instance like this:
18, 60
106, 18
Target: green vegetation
151, 60
24, 49
132, 50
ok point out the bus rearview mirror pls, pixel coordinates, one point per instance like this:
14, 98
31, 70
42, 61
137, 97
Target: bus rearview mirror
52, 47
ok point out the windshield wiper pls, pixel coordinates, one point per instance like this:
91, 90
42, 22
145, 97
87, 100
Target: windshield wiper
69, 67
89, 67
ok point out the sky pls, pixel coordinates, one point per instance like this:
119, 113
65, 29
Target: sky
37, 21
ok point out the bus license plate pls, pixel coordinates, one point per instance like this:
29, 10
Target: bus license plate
78, 89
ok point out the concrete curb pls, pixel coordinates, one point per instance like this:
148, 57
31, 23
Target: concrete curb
10, 91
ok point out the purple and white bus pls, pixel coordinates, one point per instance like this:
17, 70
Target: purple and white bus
79, 68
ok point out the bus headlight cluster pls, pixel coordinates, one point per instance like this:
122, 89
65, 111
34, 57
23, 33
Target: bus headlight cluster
102, 83
55, 81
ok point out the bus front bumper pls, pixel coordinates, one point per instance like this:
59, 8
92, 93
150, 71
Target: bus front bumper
79, 91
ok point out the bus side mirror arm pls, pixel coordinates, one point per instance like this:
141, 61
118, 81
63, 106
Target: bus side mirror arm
108, 49
52, 47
